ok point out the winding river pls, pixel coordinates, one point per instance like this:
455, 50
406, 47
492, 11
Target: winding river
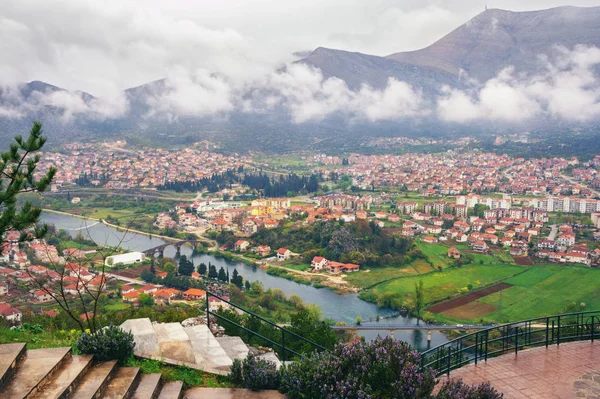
337, 307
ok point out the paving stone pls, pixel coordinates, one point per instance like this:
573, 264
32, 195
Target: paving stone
148, 388
65, 379
122, 384
36, 368
174, 343
10, 355
234, 347
144, 336
556, 372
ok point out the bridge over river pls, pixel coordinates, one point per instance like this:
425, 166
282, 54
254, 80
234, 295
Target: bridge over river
422, 327
403, 327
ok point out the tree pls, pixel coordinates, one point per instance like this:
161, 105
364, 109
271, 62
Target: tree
212, 272
169, 267
237, 280
247, 285
147, 276
186, 267
222, 276
419, 299
17, 168
146, 300
202, 269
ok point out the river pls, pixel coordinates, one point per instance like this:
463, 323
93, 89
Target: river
336, 307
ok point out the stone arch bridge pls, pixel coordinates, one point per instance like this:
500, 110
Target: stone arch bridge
176, 244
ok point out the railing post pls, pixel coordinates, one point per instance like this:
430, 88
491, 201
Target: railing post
558, 332
592, 329
207, 311
476, 346
487, 339
283, 344
547, 322
516, 339
449, 360
552, 330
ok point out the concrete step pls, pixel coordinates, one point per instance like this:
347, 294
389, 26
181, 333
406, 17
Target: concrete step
148, 388
10, 356
36, 369
230, 393
208, 354
234, 347
64, 380
94, 382
144, 336
174, 343
171, 390
122, 384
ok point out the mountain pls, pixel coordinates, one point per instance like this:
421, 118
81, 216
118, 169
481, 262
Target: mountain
357, 69
496, 39
480, 48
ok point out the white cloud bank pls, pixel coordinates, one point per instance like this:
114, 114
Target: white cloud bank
566, 88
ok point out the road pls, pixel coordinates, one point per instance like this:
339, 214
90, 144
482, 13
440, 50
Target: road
553, 232
575, 182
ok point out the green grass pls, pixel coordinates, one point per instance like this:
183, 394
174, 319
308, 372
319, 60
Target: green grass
369, 278
437, 254
297, 266
117, 306
440, 285
39, 339
546, 290
189, 376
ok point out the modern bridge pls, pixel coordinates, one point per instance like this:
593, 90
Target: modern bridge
399, 327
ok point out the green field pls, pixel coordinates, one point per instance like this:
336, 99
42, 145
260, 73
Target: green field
547, 290
449, 282
436, 254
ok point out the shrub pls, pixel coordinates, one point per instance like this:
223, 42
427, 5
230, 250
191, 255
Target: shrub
255, 374
383, 368
109, 343
456, 389
236, 372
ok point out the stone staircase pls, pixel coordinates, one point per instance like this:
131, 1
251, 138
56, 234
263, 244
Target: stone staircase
56, 373
193, 346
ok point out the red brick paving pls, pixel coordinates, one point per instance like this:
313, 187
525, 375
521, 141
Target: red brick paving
537, 373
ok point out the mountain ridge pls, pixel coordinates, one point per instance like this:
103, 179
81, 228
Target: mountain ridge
479, 49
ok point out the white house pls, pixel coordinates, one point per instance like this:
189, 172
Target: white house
125, 259
318, 263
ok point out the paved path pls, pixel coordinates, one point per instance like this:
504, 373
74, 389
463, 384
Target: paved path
553, 232
568, 371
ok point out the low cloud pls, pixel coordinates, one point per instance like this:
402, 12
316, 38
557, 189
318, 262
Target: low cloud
308, 96
565, 88
191, 94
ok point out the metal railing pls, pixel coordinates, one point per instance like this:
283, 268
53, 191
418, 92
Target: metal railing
513, 337
287, 339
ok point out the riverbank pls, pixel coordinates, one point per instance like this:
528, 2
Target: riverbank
71, 214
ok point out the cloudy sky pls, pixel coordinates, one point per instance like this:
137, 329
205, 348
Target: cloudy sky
103, 47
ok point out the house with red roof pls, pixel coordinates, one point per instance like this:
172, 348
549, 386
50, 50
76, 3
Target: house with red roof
318, 263
9, 313
480, 246
283, 254
241, 245
194, 294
